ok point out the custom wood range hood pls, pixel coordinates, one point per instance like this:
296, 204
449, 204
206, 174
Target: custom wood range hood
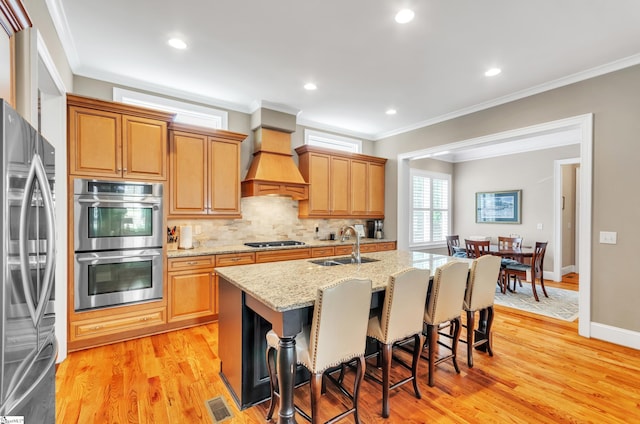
272, 170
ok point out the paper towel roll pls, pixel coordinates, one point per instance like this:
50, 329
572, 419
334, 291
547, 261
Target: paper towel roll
186, 237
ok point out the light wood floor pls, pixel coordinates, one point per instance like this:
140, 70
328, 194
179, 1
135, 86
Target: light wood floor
542, 372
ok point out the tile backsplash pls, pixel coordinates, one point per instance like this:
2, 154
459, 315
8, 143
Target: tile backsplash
264, 218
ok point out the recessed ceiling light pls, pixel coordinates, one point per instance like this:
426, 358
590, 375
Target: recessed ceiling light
492, 72
177, 43
391, 112
404, 16
310, 86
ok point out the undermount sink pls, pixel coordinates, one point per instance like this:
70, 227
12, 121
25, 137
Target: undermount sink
341, 261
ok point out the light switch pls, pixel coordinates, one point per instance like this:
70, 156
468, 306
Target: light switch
608, 237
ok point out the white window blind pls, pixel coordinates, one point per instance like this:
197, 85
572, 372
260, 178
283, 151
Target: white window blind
430, 207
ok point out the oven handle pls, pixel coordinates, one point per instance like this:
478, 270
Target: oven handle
105, 258
38, 173
117, 201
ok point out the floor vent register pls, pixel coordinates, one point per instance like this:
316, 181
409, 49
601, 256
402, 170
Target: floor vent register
218, 409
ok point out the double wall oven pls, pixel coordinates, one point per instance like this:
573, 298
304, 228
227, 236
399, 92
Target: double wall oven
118, 242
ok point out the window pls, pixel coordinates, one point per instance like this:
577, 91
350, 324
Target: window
332, 141
186, 113
430, 207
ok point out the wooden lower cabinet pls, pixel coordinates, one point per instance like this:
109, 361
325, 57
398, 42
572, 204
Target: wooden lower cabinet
192, 290
318, 252
192, 294
281, 255
108, 325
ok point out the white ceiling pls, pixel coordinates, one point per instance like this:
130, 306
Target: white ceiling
244, 52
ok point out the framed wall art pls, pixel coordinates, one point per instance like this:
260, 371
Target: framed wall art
499, 207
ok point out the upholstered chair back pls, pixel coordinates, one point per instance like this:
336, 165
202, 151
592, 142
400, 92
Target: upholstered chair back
403, 308
481, 286
447, 293
339, 325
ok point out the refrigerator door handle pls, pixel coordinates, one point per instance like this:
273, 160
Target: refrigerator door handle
22, 372
37, 172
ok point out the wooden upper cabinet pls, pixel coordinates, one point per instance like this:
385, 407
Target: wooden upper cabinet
204, 169
144, 148
188, 174
341, 184
317, 168
117, 141
224, 176
359, 185
375, 197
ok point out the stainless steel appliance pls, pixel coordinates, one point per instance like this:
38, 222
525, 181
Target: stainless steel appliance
375, 229
118, 243
116, 277
28, 346
117, 215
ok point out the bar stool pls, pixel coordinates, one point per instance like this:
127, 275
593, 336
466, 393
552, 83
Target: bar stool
337, 335
400, 319
443, 310
479, 296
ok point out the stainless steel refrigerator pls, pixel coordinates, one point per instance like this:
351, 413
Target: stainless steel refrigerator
28, 347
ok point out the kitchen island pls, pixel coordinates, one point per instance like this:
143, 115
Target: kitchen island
256, 298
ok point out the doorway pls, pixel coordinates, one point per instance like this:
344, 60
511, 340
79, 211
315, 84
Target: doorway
583, 127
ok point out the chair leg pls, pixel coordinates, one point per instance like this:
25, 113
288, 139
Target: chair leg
386, 353
488, 331
315, 383
542, 285
471, 315
418, 341
272, 380
360, 370
432, 342
533, 289
454, 343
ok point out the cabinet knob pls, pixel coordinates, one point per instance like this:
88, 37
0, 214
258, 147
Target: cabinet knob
97, 327
192, 263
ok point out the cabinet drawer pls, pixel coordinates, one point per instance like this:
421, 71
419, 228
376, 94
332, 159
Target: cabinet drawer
344, 250
389, 245
235, 259
116, 324
192, 262
371, 247
317, 252
281, 255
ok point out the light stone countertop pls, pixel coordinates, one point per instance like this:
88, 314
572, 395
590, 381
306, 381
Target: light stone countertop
241, 248
288, 285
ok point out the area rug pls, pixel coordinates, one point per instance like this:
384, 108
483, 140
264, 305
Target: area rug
561, 304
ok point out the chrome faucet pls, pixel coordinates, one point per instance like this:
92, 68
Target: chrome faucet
355, 254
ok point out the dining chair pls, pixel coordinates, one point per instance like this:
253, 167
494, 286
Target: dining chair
508, 243
398, 321
442, 311
535, 270
479, 297
477, 248
454, 248
337, 335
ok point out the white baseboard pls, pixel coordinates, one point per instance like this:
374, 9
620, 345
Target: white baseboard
568, 269
616, 335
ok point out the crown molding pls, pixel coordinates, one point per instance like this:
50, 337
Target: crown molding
560, 82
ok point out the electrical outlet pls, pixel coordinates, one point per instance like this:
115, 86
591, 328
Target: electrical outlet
197, 229
608, 237
539, 226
